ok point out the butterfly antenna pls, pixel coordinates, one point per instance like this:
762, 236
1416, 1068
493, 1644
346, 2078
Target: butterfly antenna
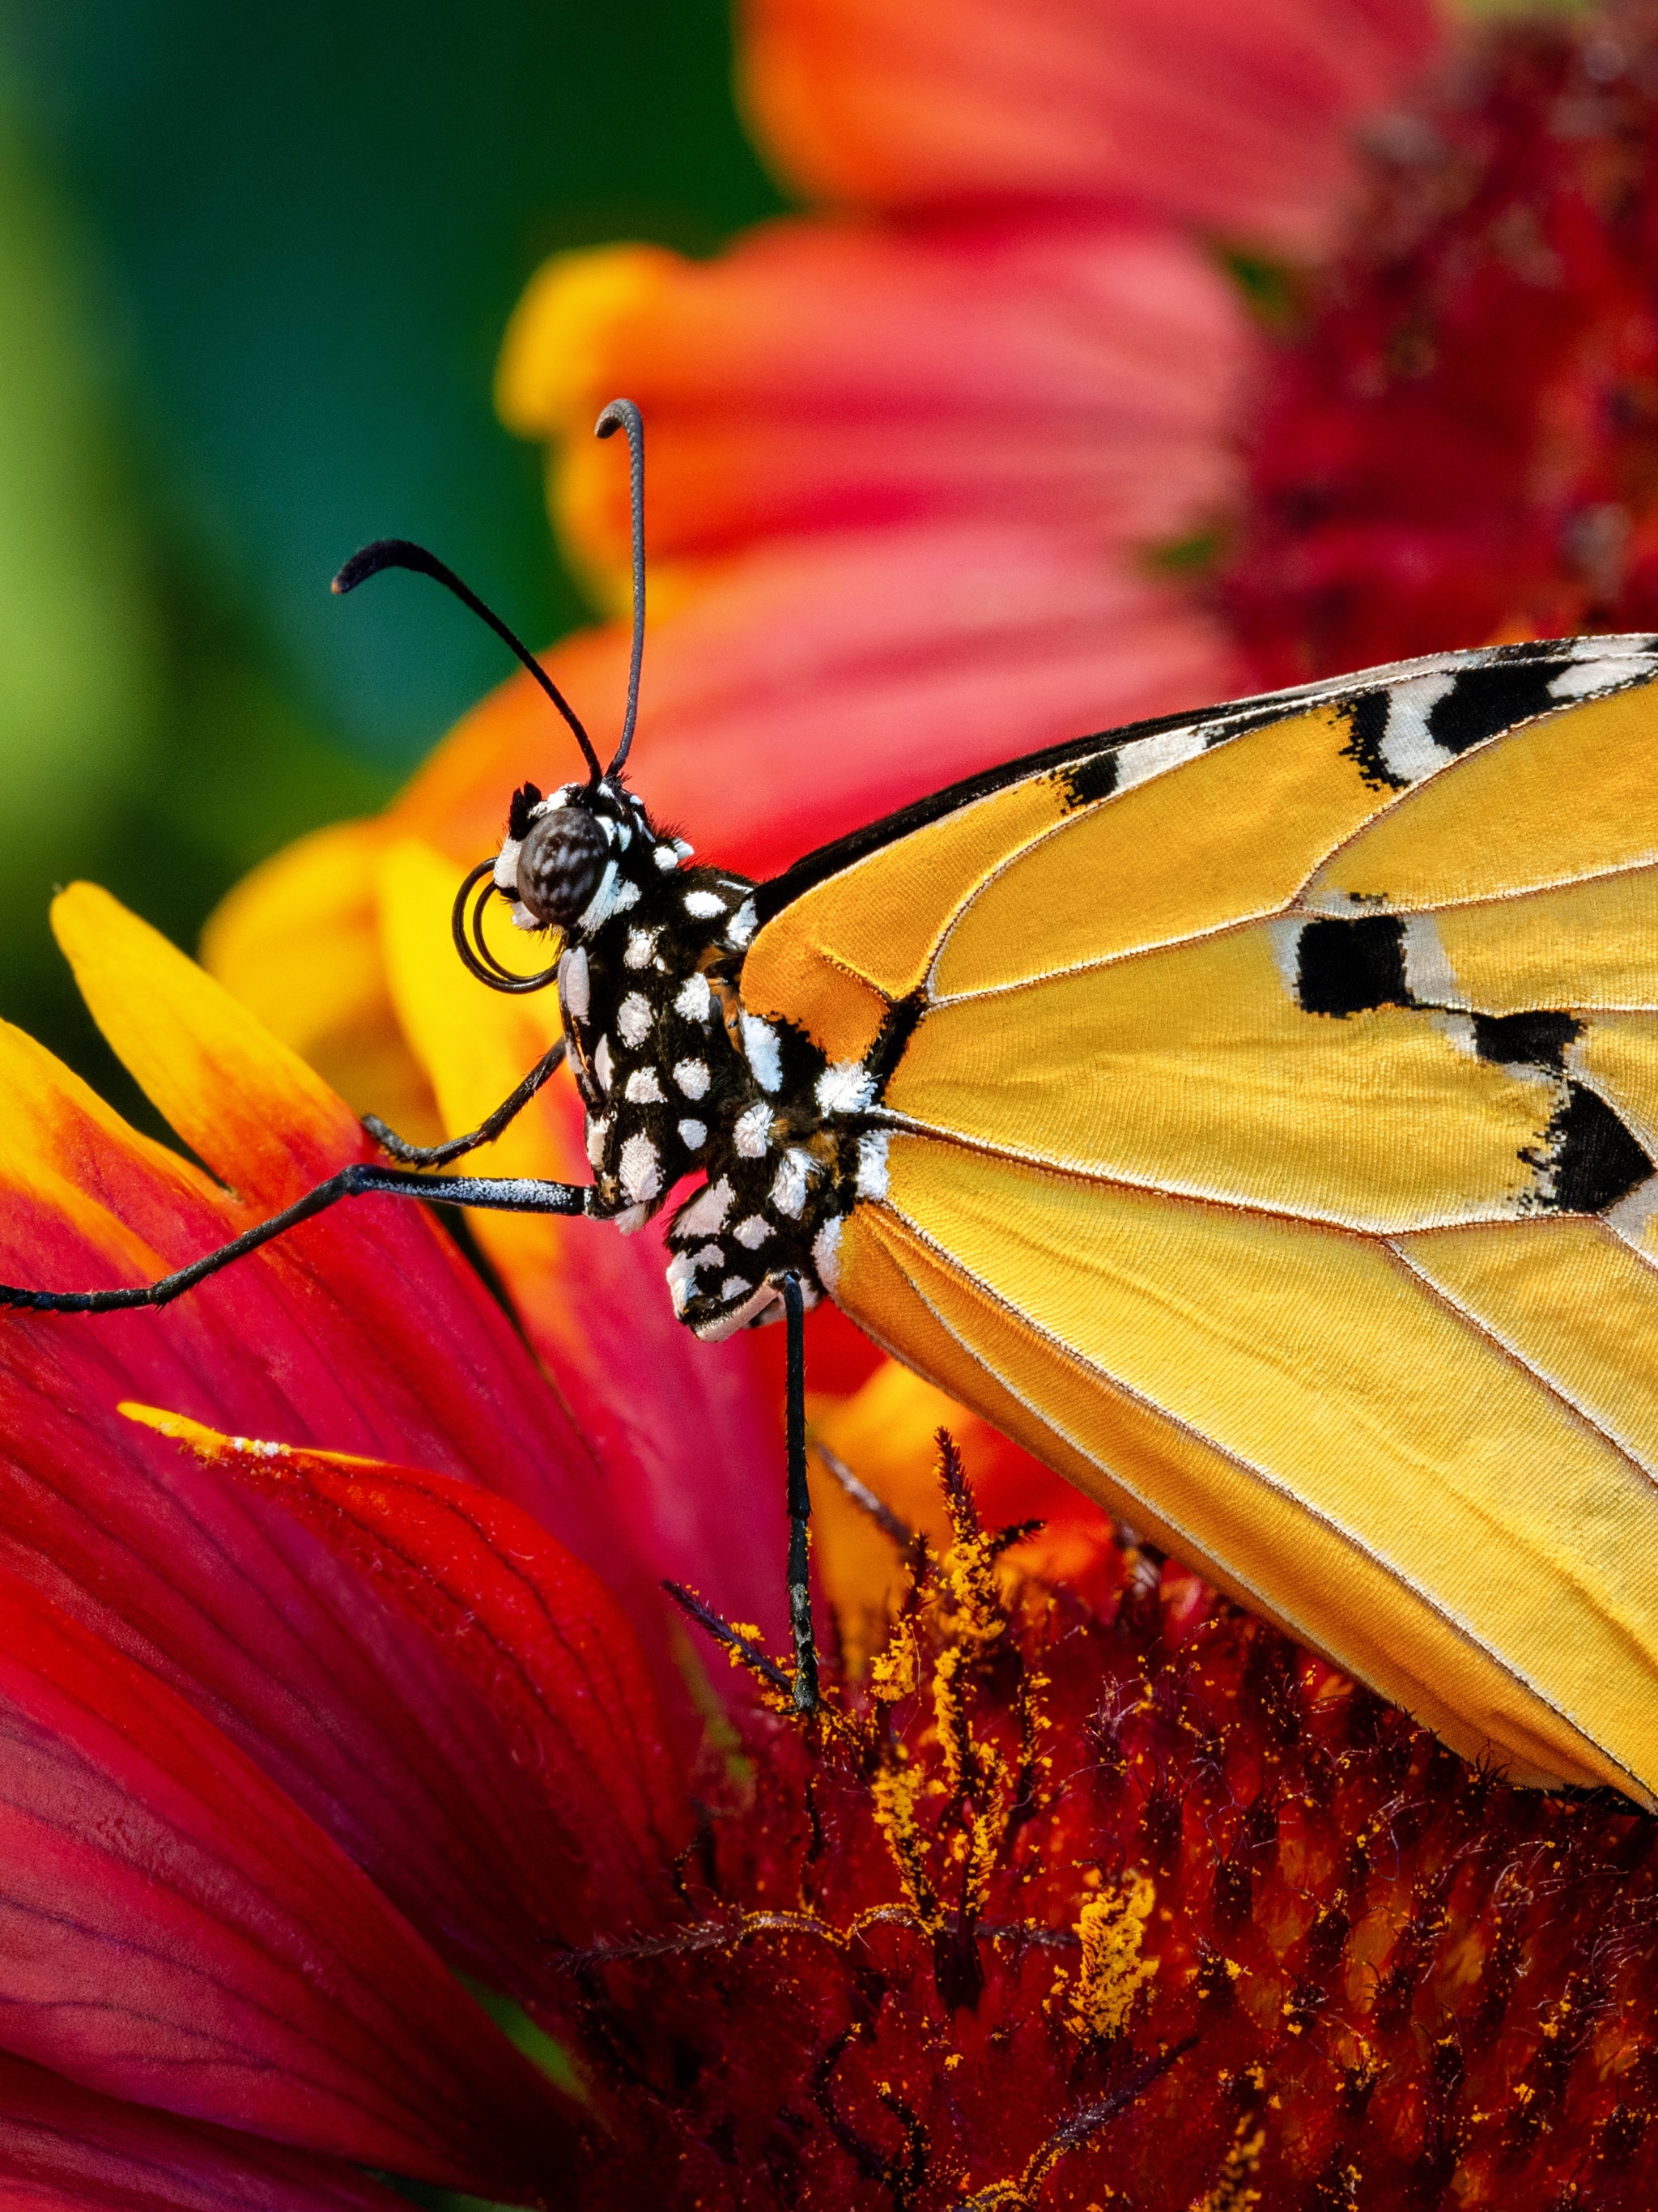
623, 415
404, 553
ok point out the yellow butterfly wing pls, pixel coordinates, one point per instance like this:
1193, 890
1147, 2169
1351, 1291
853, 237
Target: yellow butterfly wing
1266, 1112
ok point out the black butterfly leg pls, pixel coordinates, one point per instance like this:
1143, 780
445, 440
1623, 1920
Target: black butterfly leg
438, 1156
800, 1575
507, 1195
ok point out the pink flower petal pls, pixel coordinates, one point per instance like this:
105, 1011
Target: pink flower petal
535, 1633
1076, 374
64, 2147
815, 684
1235, 118
173, 1929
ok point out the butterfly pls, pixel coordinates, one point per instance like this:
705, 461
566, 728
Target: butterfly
1253, 1113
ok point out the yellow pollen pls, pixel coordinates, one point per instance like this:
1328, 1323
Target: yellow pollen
1111, 1928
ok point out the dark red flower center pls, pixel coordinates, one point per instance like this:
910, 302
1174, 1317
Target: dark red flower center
1455, 441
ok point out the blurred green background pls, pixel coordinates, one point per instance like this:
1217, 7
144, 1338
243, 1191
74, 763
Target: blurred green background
255, 265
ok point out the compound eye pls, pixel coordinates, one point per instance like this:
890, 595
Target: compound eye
560, 866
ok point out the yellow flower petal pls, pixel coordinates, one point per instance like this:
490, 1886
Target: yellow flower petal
240, 1099
556, 350
298, 943
473, 1047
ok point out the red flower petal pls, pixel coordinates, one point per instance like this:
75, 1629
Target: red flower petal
65, 2146
816, 683
371, 1336
828, 376
173, 1929
1233, 118
535, 1632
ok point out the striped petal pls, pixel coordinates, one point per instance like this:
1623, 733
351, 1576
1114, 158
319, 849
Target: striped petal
173, 1929
537, 1634
63, 2148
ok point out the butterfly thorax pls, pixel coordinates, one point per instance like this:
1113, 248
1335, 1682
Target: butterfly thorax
676, 1076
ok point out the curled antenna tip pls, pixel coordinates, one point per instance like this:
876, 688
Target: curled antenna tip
620, 415
368, 561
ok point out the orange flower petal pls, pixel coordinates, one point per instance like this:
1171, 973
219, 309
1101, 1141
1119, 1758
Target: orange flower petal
829, 376
298, 942
244, 1104
1234, 118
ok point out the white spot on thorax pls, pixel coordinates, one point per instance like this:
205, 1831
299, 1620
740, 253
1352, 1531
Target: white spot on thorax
640, 1169
762, 1053
598, 1128
872, 1178
706, 1214
751, 1131
573, 983
602, 1065
641, 944
743, 924
789, 1184
665, 857
633, 1019
692, 1076
847, 1087
682, 1272
704, 905
826, 1253
734, 1286
693, 1134
602, 904
752, 1231
643, 1089
695, 999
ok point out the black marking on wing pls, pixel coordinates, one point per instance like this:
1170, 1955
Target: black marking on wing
888, 1049
1588, 1157
1346, 968
1534, 1040
1485, 701
1089, 780
1369, 714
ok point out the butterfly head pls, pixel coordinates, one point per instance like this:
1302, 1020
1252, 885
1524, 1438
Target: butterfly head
572, 860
